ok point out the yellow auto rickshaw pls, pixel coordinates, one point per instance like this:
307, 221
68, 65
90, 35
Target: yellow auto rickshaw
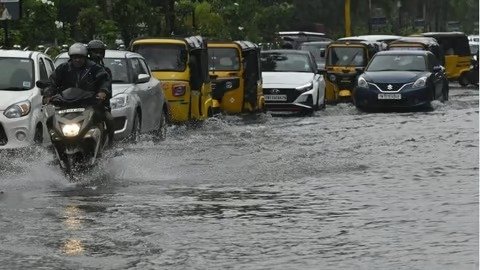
343, 60
236, 76
181, 64
456, 51
418, 43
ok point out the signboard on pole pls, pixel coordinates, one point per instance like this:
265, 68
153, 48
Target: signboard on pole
10, 10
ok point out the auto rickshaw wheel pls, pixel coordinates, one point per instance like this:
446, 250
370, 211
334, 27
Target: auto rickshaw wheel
463, 79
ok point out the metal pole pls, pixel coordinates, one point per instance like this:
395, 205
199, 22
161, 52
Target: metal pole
348, 30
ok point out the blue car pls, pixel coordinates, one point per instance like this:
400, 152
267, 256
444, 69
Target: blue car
401, 79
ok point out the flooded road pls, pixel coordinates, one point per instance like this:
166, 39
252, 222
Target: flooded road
339, 190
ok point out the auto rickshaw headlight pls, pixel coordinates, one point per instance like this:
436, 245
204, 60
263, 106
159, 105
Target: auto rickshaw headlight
179, 90
332, 77
362, 82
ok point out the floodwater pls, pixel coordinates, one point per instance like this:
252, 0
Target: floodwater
339, 190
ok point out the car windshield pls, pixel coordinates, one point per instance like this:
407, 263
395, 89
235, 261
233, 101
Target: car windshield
223, 59
285, 62
316, 50
397, 63
17, 74
164, 57
119, 69
346, 56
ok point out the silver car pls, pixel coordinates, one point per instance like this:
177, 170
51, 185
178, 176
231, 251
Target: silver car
138, 103
22, 121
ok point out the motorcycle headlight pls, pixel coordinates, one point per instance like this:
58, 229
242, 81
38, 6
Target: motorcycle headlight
305, 87
18, 110
71, 130
362, 82
421, 82
119, 101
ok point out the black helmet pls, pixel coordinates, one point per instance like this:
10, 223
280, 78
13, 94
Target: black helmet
96, 49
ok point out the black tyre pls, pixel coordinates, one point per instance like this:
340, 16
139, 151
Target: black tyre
136, 128
38, 136
463, 79
445, 92
161, 133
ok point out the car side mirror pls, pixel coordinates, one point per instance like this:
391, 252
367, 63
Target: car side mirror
359, 70
143, 78
322, 71
42, 84
322, 52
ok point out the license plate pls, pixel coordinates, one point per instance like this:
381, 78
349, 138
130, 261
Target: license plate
389, 96
275, 97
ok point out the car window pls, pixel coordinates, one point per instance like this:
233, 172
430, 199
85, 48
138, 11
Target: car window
60, 61
17, 74
43, 70
119, 69
143, 65
50, 66
285, 62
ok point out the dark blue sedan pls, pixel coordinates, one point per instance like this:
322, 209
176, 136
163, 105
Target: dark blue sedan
401, 79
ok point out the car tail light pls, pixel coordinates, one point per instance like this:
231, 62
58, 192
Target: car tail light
178, 90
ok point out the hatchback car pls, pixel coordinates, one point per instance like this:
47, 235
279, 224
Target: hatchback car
138, 103
399, 79
292, 81
22, 120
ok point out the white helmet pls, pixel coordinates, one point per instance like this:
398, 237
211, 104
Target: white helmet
78, 49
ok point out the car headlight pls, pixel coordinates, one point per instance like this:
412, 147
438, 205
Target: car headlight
362, 82
332, 77
305, 87
421, 82
119, 101
71, 130
18, 110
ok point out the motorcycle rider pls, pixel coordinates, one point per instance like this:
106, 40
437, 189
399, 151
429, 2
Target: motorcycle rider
80, 72
96, 52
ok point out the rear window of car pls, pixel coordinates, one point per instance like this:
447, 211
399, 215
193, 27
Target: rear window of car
17, 74
285, 62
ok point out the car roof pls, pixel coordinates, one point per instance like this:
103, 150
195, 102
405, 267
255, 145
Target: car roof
404, 52
110, 54
443, 34
315, 42
19, 54
294, 33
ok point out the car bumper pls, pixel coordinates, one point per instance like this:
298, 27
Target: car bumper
303, 102
123, 121
412, 97
16, 132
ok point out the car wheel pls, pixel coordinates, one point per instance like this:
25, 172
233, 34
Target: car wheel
161, 133
445, 92
136, 128
38, 136
463, 80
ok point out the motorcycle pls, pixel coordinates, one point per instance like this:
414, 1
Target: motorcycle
78, 136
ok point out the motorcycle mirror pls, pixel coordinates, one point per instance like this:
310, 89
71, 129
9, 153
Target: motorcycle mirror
42, 84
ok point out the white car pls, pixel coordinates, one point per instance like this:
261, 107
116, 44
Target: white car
138, 103
22, 121
292, 82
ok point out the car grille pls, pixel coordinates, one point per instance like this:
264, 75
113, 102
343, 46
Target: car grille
291, 93
119, 122
394, 86
3, 136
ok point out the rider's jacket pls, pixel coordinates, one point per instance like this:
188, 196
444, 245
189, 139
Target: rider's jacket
91, 77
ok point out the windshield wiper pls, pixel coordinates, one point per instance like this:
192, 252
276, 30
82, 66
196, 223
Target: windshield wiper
118, 81
14, 88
